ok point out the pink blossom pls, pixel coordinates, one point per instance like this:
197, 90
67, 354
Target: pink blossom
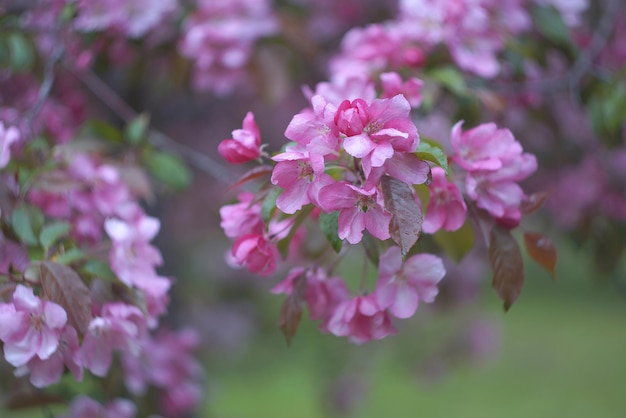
85, 407
393, 85
375, 132
498, 192
446, 207
219, 37
361, 319
119, 327
256, 253
297, 172
30, 327
245, 144
338, 90
47, 372
322, 295
315, 128
8, 136
483, 147
131, 17
473, 31
401, 285
286, 285
132, 258
359, 209
241, 218
166, 362
406, 167
375, 48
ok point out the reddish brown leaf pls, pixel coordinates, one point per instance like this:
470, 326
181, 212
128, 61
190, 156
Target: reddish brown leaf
291, 312
534, 202
255, 173
62, 285
542, 250
508, 268
407, 218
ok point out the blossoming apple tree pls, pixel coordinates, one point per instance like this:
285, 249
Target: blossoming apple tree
361, 167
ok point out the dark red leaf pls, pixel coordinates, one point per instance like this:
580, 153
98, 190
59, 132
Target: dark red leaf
508, 268
291, 312
407, 218
542, 250
62, 285
255, 173
534, 202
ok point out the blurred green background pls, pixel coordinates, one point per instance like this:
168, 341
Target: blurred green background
561, 354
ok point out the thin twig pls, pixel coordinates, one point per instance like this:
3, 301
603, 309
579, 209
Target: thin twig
46, 84
157, 138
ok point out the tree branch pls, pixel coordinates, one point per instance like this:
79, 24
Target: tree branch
157, 138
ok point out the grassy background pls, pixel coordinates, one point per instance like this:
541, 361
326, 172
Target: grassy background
562, 355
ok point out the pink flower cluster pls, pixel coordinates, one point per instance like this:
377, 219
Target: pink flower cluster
446, 207
59, 117
165, 362
219, 37
360, 141
472, 30
364, 140
255, 241
494, 163
401, 285
37, 338
84, 191
132, 18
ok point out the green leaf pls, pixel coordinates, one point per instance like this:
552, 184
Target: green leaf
70, 256
550, 24
137, 130
268, 207
607, 111
431, 150
21, 53
23, 226
456, 244
329, 224
99, 269
4, 53
168, 169
450, 78
102, 130
370, 245
52, 232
